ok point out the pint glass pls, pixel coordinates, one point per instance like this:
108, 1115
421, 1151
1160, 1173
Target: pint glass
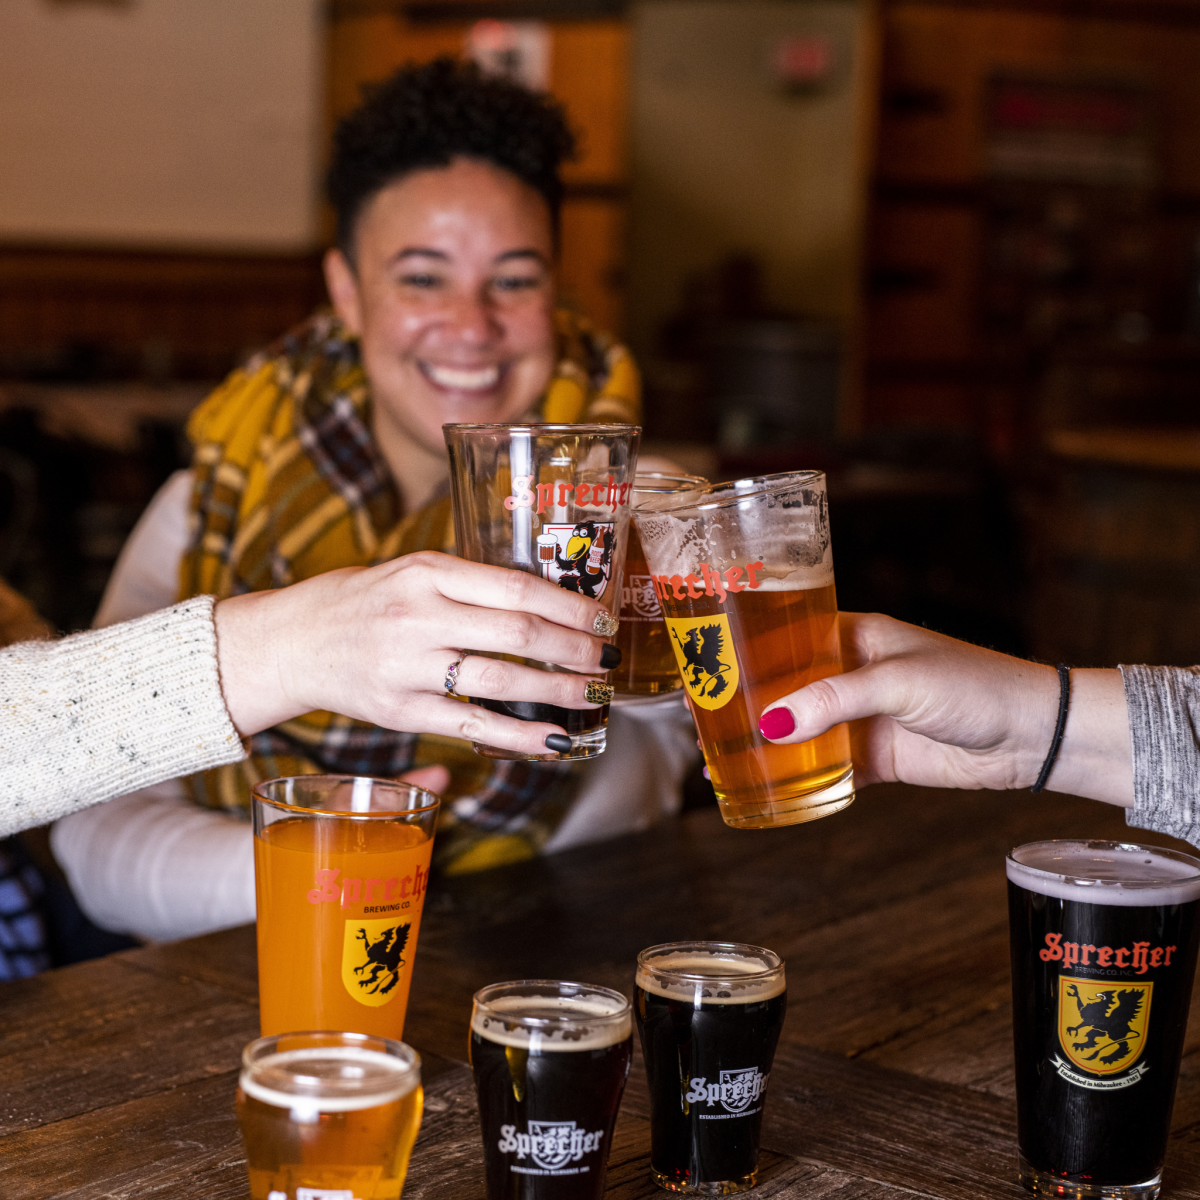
340, 868
647, 666
328, 1114
744, 573
709, 1016
1103, 938
550, 1061
553, 500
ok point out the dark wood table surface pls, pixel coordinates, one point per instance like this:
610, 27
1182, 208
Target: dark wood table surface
893, 1075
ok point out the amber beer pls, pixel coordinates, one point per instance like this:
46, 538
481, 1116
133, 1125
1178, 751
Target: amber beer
647, 661
328, 1114
341, 868
1104, 938
753, 621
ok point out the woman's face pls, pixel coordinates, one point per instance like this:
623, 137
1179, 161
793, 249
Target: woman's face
452, 296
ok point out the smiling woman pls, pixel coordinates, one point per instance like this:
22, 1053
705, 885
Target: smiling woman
327, 452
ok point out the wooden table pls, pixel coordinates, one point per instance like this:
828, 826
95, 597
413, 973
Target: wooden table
893, 1076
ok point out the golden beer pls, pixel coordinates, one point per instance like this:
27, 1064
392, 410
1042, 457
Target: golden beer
782, 640
328, 1113
340, 895
744, 574
647, 665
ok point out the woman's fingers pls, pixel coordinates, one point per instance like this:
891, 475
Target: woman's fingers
526, 635
472, 723
432, 779
496, 679
809, 711
514, 591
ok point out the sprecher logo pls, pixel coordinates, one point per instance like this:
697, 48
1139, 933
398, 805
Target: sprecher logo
704, 651
578, 557
1102, 1027
550, 1145
735, 1093
372, 957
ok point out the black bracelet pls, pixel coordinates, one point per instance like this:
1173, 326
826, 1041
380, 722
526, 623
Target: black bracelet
1064, 701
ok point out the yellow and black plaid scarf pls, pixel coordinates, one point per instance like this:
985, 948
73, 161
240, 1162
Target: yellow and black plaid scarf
289, 484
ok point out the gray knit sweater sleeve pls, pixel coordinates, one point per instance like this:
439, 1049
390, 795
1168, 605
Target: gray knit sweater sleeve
103, 713
1164, 726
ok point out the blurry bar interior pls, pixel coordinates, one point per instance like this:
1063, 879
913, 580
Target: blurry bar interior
949, 252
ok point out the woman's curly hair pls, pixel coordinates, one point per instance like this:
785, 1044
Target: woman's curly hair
428, 115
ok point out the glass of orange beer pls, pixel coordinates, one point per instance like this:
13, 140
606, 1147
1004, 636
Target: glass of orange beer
647, 666
744, 573
328, 1115
341, 866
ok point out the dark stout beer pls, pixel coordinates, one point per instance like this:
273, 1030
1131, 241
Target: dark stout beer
1104, 941
576, 721
709, 1016
550, 1062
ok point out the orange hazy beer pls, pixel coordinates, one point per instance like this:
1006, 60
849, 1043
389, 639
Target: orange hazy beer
744, 573
647, 666
340, 895
328, 1114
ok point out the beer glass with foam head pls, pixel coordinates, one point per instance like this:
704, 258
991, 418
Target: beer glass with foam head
550, 1061
340, 867
647, 666
1103, 939
328, 1114
744, 574
709, 1016
553, 500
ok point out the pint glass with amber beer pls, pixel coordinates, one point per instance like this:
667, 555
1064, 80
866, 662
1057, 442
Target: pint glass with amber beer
553, 500
744, 573
1104, 938
328, 1114
340, 866
647, 665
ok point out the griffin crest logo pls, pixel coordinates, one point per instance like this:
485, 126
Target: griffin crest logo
372, 959
704, 651
1102, 1027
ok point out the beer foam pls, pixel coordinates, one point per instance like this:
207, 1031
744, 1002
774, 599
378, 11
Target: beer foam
1116, 873
560, 1023
350, 1078
715, 978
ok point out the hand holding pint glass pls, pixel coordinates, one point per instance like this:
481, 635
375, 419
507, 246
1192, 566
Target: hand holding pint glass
744, 573
340, 866
554, 501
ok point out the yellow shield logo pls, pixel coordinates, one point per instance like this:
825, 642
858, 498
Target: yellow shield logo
372, 959
704, 651
1102, 1027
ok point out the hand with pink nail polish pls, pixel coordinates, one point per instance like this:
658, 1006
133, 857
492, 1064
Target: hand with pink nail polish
927, 709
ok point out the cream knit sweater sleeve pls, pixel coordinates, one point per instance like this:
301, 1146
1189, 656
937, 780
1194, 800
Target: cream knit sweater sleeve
103, 713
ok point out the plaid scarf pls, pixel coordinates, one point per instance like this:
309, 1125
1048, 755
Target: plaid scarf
288, 484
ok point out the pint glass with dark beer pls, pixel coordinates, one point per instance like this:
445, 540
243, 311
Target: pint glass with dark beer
1104, 938
550, 1061
328, 1114
552, 500
647, 661
340, 871
744, 573
709, 1016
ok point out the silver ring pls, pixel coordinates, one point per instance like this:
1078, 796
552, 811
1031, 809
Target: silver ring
452, 675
